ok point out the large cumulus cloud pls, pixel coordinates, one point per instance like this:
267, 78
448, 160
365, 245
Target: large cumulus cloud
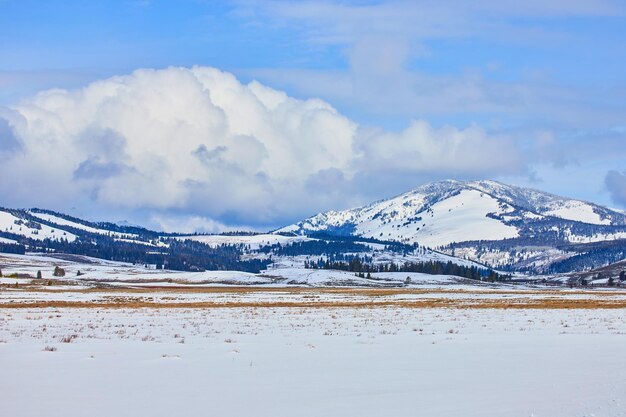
197, 142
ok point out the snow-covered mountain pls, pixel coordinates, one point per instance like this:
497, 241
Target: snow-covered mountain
43, 231
460, 216
445, 212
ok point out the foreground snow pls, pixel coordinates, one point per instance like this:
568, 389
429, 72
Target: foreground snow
312, 362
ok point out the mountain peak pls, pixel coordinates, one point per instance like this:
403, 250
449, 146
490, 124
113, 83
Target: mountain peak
448, 211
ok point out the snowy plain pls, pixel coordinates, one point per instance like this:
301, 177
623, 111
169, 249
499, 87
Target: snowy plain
126, 340
312, 362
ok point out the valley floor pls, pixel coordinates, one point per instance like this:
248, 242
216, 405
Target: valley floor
312, 352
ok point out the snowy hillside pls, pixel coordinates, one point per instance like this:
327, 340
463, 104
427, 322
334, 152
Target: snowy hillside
445, 212
40, 224
12, 224
50, 217
528, 224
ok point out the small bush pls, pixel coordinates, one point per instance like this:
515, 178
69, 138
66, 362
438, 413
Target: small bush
69, 339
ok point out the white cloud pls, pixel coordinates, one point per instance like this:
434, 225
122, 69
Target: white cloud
188, 224
199, 142
447, 150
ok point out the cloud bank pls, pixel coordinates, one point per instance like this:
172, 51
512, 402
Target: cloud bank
199, 145
446, 61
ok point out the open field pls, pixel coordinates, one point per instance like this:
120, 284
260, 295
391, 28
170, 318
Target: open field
33, 296
299, 361
123, 340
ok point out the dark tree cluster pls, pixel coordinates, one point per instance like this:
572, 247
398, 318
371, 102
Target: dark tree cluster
595, 258
179, 255
396, 247
342, 262
362, 267
12, 248
316, 248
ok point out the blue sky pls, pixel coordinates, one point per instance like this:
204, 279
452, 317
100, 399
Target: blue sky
541, 81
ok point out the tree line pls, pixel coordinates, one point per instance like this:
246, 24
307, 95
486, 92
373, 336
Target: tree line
362, 267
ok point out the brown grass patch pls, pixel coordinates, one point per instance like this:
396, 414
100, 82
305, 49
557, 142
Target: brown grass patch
370, 292
517, 303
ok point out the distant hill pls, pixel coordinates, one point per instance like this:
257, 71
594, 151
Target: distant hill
486, 221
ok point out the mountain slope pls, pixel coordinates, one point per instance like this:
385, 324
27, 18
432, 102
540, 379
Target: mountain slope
445, 212
459, 217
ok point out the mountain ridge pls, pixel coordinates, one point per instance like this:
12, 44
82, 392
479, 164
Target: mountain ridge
513, 202
485, 221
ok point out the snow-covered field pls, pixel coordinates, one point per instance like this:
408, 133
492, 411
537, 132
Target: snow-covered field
127, 340
312, 362
94, 270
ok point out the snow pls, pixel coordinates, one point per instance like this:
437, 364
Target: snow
536, 258
546, 204
463, 217
577, 211
598, 237
157, 243
458, 218
8, 224
297, 362
255, 241
379, 256
323, 277
64, 222
440, 213
93, 269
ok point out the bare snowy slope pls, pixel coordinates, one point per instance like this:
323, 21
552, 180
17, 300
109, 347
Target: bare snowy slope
40, 225
13, 224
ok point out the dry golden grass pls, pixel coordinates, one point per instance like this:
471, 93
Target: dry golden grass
139, 297
370, 292
513, 303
